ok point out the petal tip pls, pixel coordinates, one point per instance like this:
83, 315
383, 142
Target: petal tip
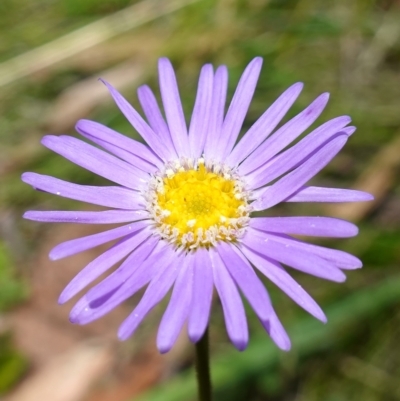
221, 69
123, 333
74, 318
48, 140
108, 85
340, 278
164, 62
350, 130
240, 344
298, 86
25, 177
286, 345
143, 90
164, 348
195, 335
53, 255
258, 61
81, 124
321, 317
62, 299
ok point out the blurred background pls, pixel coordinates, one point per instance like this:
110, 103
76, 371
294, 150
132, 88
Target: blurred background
51, 55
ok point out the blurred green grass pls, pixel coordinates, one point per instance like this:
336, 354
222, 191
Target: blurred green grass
331, 46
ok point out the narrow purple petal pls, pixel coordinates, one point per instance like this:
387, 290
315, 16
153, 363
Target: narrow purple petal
155, 118
340, 259
105, 217
116, 197
239, 105
287, 253
314, 226
246, 279
290, 131
278, 275
292, 157
138, 123
125, 155
202, 295
277, 332
220, 87
87, 310
263, 127
149, 253
77, 245
173, 107
178, 308
234, 314
126, 148
102, 263
155, 292
201, 113
321, 194
291, 182
96, 161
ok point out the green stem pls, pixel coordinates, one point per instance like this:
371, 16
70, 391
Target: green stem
203, 368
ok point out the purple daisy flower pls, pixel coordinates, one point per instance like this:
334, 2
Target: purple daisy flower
188, 197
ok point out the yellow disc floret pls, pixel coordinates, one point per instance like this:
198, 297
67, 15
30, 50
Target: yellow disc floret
197, 206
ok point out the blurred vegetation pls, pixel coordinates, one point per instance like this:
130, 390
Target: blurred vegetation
350, 49
12, 289
12, 364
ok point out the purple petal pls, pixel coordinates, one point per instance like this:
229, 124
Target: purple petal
102, 263
290, 131
105, 217
202, 295
155, 292
293, 157
173, 107
156, 120
149, 253
321, 194
340, 259
96, 161
92, 306
315, 226
275, 273
201, 113
220, 86
246, 279
239, 105
285, 252
116, 197
123, 154
138, 123
178, 308
234, 314
291, 182
74, 246
126, 148
277, 332
263, 127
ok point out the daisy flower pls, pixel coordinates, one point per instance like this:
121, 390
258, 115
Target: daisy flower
186, 200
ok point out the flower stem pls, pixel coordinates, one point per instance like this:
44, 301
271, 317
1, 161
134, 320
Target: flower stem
203, 368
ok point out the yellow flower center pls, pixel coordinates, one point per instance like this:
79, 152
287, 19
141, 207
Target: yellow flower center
195, 207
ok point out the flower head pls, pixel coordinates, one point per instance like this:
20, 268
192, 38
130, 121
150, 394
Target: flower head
187, 199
